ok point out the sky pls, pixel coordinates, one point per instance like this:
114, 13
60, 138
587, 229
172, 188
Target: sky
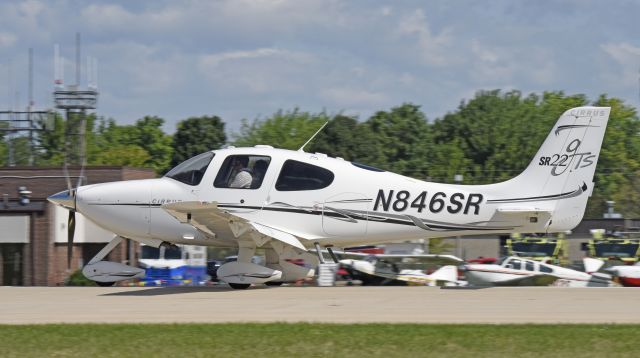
247, 59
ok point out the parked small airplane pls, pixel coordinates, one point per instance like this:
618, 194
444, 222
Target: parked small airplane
401, 270
516, 271
289, 201
629, 275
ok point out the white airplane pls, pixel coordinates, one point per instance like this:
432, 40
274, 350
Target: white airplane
287, 202
629, 275
516, 271
392, 270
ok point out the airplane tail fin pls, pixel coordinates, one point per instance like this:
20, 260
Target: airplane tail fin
559, 179
445, 273
592, 265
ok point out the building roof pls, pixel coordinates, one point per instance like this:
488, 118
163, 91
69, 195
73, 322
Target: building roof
44, 181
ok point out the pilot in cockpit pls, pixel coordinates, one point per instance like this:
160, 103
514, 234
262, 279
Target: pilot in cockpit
241, 173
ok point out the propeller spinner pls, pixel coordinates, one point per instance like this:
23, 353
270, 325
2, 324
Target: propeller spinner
67, 199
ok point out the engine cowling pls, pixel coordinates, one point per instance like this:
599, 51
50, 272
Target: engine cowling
245, 272
108, 271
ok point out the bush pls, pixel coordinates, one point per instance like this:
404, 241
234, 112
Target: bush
78, 279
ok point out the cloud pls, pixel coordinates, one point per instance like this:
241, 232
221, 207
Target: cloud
242, 58
430, 47
625, 53
353, 97
214, 60
31, 8
627, 57
7, 39
108, 17
266, 71
142, 70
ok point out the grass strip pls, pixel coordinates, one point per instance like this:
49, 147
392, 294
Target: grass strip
318, 340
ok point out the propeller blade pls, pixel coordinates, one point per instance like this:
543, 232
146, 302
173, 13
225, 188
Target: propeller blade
71, 230
65, 170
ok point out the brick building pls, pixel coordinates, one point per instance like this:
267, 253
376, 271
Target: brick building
33, 235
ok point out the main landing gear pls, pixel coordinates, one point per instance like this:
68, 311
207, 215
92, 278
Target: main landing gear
276, 269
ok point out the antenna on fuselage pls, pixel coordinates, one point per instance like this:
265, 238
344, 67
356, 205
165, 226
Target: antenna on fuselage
313, 136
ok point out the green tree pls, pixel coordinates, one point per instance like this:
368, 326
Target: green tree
346, 138
146, 143
3, 153
438, 246
619, 162
3, 145
150, 137
21, 150
197, 135
287, 130
403, 138
500, 133
123, 155
494, 136
51, 140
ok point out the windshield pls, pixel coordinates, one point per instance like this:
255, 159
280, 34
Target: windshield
533, 249
616, 250
150, 252
191, 170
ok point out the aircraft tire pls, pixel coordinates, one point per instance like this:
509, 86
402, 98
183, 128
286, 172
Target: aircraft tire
272, 283
105, 284
239, 286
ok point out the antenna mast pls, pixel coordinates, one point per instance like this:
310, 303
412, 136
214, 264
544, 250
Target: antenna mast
313, 136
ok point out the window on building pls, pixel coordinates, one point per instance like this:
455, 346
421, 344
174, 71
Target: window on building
296, 176
242, 172
191, 170
12, 261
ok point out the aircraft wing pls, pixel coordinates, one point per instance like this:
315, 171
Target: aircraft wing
396, 258
210, 219
534, 280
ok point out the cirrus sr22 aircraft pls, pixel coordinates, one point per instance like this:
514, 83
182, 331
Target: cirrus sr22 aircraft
295, 201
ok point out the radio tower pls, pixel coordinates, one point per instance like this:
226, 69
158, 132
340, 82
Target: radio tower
75, 101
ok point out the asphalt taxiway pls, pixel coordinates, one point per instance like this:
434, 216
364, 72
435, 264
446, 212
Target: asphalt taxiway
26, 305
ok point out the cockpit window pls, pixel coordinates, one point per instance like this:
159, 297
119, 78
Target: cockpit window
514, 264
545, 268
191, 170
242, 172
296, 176
529, 266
